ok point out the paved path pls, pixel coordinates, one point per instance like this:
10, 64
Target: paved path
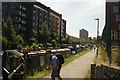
77, 68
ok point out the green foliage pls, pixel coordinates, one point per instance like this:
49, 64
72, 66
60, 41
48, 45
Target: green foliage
19, 39
41, 45
8, 34
34, 46
103, 53
48, 44
54, 36
58, 45
116, 58
4, 42
44, 33
54, 43
64, 41
72, 39
8, 30
10, 39
20, 42
33, 40
19, 47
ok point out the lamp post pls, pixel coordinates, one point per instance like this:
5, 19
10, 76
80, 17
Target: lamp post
97, 35
97, 28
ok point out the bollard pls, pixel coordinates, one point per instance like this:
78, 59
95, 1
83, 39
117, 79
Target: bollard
93, 66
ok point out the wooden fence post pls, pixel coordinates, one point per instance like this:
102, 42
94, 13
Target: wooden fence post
93, 66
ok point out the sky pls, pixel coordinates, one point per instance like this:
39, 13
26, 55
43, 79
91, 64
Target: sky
80, 14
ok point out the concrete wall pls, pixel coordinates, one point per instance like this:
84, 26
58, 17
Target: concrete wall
105, 72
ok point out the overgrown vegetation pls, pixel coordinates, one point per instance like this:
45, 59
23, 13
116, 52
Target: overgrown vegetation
116, 58
17, 38
103, 54
10, 38
13, 38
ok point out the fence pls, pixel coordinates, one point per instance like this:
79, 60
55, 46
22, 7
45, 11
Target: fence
37, 60
106, 72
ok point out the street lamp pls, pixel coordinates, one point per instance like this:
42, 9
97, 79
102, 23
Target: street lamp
97, 35
97, 27
97, 30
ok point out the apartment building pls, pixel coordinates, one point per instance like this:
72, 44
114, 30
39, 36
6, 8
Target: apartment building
113, 8
63, 29
28, 17
41, 14
83, 34
55, 22
19, 14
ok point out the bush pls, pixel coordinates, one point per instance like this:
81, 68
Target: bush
116, 58
19, 47
103, 53
54, 43
41, 45
34, 46
4, 43
49, 44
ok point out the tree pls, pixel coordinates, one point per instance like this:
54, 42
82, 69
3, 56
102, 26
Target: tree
19, 40
10, 39
44, 33
54, 43
64, 41
8, 33
4, 43
55, 36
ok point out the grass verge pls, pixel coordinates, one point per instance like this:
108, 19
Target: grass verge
73, 57
42, 74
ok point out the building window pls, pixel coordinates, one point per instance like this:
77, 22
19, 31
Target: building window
33, 24
116, 9
19, 19
5, 6
118, 17
19, 26
20, 6
118, 26
40, 20
23, 15
20, 12
23, 22
24, 8
13, 7
34, 17
40, 14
